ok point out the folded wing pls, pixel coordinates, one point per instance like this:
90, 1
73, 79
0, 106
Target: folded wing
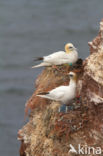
61, 57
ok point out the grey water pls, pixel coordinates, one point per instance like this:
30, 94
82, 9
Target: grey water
30, 28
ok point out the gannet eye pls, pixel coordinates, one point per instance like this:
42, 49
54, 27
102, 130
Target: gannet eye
70, 75
70, 47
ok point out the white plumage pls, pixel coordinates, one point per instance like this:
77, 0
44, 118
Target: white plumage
70, 56
63, 94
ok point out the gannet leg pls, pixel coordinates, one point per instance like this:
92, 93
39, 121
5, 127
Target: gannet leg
66, 110
59, 109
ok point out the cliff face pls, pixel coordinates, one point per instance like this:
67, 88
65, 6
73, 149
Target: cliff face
49, 133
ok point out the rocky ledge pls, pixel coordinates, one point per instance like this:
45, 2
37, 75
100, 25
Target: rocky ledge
49, 133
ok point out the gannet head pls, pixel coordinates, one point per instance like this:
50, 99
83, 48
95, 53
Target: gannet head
73, 76
69, 47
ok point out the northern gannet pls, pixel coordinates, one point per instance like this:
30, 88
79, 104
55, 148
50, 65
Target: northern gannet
63, 94
69, 56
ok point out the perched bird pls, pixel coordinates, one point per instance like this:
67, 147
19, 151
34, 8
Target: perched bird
63, 94
70, 56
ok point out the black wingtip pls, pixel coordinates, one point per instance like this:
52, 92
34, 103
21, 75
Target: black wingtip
38, 59
43, 93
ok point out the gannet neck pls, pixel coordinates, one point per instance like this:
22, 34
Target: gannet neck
72, 82
67, 50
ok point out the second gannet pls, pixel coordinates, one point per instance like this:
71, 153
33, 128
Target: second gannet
63, 94
69, 56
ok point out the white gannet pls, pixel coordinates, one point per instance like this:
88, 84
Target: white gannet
63, 94
69, 56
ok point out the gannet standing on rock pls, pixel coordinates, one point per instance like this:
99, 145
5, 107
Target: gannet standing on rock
63, 94
70, 56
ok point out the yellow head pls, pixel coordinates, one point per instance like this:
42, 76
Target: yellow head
73, 76
69, 47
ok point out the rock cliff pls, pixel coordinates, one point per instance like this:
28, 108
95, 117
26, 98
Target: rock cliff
49, 133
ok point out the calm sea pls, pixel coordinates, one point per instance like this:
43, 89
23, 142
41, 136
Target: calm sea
30, 28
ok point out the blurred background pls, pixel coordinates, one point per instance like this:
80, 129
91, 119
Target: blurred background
30, 28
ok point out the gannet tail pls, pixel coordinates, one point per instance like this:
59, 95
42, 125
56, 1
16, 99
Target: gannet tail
41, 65
44, 95
38, 58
